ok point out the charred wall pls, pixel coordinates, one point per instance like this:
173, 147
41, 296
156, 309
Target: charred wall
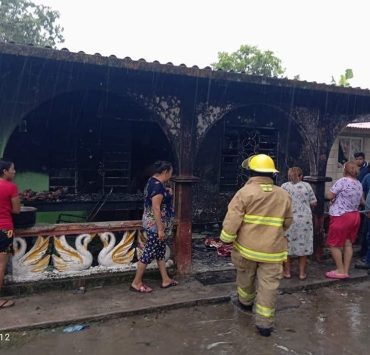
56, 102
89, 142
241, 133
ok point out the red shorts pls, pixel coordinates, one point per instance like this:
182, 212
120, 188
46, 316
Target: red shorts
342, 228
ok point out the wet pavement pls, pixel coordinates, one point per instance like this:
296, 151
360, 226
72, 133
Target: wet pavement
56, 308
329, 320
194, 317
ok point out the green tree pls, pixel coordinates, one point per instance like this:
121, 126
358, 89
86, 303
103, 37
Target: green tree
344, 78
251, 60
22, 21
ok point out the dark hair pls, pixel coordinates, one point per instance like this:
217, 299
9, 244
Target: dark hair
160, 166
359, 154
5, 165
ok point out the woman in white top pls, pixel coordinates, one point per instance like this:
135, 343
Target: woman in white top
300, 233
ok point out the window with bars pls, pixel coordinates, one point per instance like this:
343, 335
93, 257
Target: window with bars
347, 147
239, 143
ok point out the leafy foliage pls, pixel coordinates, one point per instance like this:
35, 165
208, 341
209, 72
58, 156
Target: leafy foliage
344, 78
251, 60
22, 21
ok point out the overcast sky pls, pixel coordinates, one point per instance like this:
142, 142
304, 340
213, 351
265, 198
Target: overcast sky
315, 38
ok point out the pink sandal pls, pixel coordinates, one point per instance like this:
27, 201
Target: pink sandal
336, 275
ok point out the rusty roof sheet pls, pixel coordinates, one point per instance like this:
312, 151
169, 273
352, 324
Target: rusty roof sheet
97, 59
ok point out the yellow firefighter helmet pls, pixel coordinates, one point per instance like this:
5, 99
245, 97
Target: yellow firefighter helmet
261, 163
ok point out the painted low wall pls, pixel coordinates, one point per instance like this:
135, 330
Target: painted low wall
76, 249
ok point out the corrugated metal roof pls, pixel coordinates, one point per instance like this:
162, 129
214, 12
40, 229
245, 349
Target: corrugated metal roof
65, 55
362, 125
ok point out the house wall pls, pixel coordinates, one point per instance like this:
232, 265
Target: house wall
32, 180
52, 217
334, 168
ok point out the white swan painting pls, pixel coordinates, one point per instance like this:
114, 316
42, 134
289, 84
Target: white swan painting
34, 260
71, 259
116, 255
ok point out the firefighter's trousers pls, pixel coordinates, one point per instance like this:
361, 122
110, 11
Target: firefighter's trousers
257, 282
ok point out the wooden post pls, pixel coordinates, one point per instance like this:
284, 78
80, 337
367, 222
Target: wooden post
318, 185
183, 240
183, 187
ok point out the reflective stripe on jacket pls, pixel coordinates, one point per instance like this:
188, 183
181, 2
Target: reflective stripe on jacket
256, 219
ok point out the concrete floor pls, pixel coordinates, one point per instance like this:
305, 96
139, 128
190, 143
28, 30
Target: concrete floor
326, 321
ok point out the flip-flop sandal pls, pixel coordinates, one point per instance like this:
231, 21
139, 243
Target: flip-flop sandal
336, 275
171, 284
141, 289
302, 277
287, 276
6, 304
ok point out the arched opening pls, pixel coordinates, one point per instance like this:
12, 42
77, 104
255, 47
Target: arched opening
81, 145
249, 130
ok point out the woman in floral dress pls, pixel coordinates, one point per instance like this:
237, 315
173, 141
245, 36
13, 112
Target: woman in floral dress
300, 233
157, 223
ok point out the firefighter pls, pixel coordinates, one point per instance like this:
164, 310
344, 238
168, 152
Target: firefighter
255, 222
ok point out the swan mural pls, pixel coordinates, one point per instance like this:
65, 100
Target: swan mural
116, 255
141, 243
34, 260
71, 259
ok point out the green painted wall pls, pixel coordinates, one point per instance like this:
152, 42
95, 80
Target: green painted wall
40, 182
30, 180
51, 217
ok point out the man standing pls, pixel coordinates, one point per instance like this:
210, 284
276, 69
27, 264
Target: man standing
362, 164
255, 222
364, 263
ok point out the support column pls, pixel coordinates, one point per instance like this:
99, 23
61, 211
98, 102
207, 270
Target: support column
183, 185
183, 240
318, 185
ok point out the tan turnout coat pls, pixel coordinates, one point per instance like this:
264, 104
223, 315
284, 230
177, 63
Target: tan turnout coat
256, 219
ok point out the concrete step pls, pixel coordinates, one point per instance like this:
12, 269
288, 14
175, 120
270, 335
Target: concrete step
57, 308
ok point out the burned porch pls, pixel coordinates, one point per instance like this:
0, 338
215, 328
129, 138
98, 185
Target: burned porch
81, 151
85, 124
